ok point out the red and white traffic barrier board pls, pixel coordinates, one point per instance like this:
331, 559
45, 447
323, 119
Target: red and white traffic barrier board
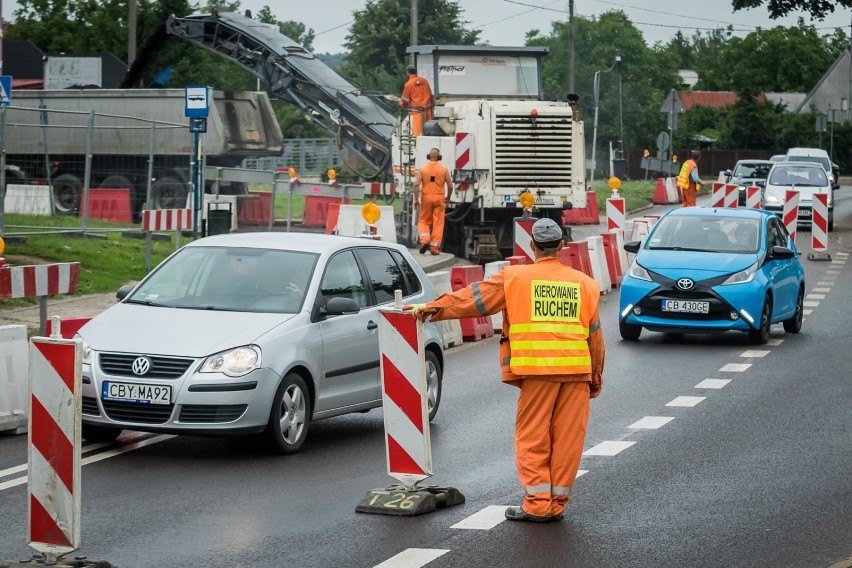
38, 280
403, 365
166, 219
523, 238
615, 216
54, 445
717, 198
819, 226
752, 197
464, 151
732, 196
790, 216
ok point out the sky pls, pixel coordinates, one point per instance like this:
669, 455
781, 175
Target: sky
505, 22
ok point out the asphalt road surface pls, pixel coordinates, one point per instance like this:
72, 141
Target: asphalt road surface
701, 451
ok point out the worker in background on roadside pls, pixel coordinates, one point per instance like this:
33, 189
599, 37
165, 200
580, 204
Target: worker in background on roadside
688, 180
429, 186
552, 348
417, 97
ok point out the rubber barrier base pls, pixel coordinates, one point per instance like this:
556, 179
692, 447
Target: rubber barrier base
62, 562
398, 501
819, 256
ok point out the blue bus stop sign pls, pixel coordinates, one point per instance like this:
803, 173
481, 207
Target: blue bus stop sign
197, 102
5, 90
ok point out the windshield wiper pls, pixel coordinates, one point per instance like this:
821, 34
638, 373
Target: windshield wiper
147, 303
682, 248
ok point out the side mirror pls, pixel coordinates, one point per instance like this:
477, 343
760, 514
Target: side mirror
781, 253
729, 173
632, 246
124, 291
760, 183
340, 306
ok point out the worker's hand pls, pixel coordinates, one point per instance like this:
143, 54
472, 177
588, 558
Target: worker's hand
595, 386
420, 311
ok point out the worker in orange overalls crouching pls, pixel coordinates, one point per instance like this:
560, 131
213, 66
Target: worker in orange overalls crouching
552, 348
431, 179
417, 97
688, 180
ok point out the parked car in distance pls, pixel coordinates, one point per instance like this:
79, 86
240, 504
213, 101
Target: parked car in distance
807, 178
818, 156
253, 333
748, 173
778, 158
703, 270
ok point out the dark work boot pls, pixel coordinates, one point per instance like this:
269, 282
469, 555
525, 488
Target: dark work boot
518, 514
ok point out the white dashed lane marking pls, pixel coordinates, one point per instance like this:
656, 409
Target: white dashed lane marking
823, 290
483, 520
840, 262
608, 448
824, 283
712, 383
810, 304
815, 296
413, 558
807, 312
685, 401
776, 342
754, 353
652, 422
735, 368
843, 254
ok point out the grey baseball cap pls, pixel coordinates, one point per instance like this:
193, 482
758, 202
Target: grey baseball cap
546, 231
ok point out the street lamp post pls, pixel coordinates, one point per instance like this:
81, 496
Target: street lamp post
597, 92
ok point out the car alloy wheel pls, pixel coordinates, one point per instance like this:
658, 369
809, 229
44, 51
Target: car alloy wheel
760, 336
434, 381
289, 416
794, 324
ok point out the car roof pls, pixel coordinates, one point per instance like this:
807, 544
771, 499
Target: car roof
808, 152
795, 163
735, 212
307, 242
754, 162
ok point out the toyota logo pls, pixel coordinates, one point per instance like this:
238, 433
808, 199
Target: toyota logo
683, 284
141, 366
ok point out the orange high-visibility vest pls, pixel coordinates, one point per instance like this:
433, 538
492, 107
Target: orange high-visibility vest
439, 172
549, 307
685, 176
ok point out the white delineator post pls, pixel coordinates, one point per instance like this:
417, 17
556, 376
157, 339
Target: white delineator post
752, 197
615, 216
790, 215
53, 520
819, 228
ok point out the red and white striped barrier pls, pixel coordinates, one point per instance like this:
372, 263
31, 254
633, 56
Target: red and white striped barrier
615, 216
38, 280
464, 151
819, 226
166, 219
752, 197
732, 196
790, 216
717, 197
523, 238
54, 445
403, 366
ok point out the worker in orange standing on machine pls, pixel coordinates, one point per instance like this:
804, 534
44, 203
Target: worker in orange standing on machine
688, 180
552, 348
417, 96
431, 180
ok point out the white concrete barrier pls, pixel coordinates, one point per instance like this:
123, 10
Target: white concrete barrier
622, 254
351, 224
491, 269
14, 377
600, 271
28, 199
451, 328
671, 191
208, 197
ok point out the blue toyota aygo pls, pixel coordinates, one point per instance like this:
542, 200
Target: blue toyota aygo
705, 270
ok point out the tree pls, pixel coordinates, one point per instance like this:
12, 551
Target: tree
381, 32
778, 8
297, 31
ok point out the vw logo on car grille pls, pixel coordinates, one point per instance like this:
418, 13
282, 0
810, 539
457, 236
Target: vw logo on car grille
683, 284
141, 365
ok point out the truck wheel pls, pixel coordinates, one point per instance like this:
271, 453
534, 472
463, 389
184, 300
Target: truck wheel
117, 182
168, 193
67, 189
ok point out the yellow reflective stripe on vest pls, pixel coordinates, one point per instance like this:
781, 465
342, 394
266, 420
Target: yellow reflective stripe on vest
550, 345
551, 361
574, 328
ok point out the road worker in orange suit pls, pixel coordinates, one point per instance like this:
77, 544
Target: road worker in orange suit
688, 180
552, 348
417, 97
432, 180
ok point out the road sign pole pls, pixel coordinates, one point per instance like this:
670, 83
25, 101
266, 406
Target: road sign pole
2, 170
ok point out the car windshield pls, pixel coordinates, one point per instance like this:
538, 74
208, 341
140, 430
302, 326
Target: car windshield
706, 233
804, 176
751, 170
229, 279
826, 165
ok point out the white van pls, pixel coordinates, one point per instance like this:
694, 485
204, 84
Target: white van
815, 155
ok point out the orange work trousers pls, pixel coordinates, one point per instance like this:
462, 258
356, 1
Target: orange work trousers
549, 433
418, 118
689, 194
430, 225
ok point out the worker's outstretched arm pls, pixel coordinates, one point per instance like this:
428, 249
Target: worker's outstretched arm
598, 353
480, 299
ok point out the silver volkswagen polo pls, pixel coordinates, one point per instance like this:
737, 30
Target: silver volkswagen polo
250, 333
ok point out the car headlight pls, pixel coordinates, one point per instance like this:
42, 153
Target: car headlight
87, 351
636, 271
234, 362
771, 199
742, 276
